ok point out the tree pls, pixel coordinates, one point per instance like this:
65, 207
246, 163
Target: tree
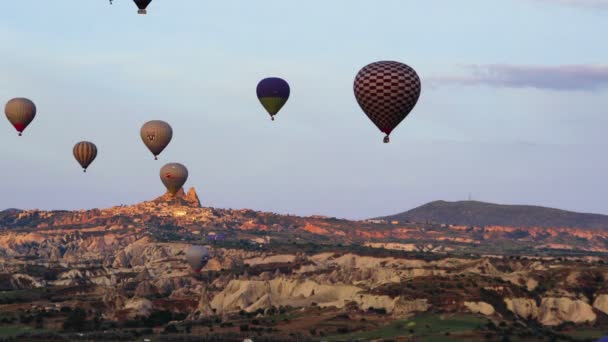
76, 320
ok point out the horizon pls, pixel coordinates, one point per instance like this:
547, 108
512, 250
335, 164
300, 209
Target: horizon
196, 66
331, 216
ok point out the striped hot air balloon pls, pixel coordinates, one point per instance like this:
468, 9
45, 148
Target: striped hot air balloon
387, 92
273, 93
20, 112
85, 152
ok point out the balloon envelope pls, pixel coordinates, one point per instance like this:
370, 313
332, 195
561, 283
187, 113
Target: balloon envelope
273, 93
142, 5
85, 152
173, 176
156, 135
387, 92
20, 112
197, 257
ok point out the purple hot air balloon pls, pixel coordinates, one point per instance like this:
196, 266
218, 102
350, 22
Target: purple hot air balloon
273, 93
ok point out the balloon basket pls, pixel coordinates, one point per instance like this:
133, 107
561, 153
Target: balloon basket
142, 11
387, 139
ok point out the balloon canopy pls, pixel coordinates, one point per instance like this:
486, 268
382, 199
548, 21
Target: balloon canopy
85, 152
273, 93
387, 92
20, 112
173, 176
142, 5
197, 257
156, 135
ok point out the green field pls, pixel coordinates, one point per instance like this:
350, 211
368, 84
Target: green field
14, 330
587, 333
426, 327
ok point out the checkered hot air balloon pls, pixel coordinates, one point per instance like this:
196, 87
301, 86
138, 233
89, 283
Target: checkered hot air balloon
387, 92
20, 112
85, 152
273, 93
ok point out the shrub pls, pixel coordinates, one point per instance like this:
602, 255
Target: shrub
76, 320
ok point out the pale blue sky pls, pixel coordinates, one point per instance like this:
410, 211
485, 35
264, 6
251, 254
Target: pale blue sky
513, 107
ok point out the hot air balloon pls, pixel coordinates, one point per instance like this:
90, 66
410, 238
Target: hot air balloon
156, 135
387, 92
85, 152
20, 112
197, 257
273, 93
174, 176
142, 4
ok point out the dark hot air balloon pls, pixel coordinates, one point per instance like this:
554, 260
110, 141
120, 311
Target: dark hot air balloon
174, 176
273, 93
387, 92
85, 152
141, 5
20, 112
197, 257
156, 135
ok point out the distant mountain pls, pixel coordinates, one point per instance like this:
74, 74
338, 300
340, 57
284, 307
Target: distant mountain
473, 213
10, 211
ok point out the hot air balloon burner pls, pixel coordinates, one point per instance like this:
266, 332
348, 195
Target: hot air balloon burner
387, 139
142, 11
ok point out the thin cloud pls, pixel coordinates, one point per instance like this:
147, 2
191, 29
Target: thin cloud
562, 78
579, 3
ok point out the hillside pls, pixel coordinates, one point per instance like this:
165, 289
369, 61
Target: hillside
121, 274
473, 213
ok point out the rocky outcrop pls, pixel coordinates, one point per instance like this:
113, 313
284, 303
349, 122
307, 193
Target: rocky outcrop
203, 308
601, 303
554, 311
145, 289
113, 300
405, 307
525, 308
480, 308
181, 198
138, 307
252, 295
24, 281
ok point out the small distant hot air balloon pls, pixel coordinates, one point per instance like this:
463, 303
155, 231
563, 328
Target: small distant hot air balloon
156, 135
174, 176
142, 4
85, 152
273, 93
20, 112
197, 257
387, 92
